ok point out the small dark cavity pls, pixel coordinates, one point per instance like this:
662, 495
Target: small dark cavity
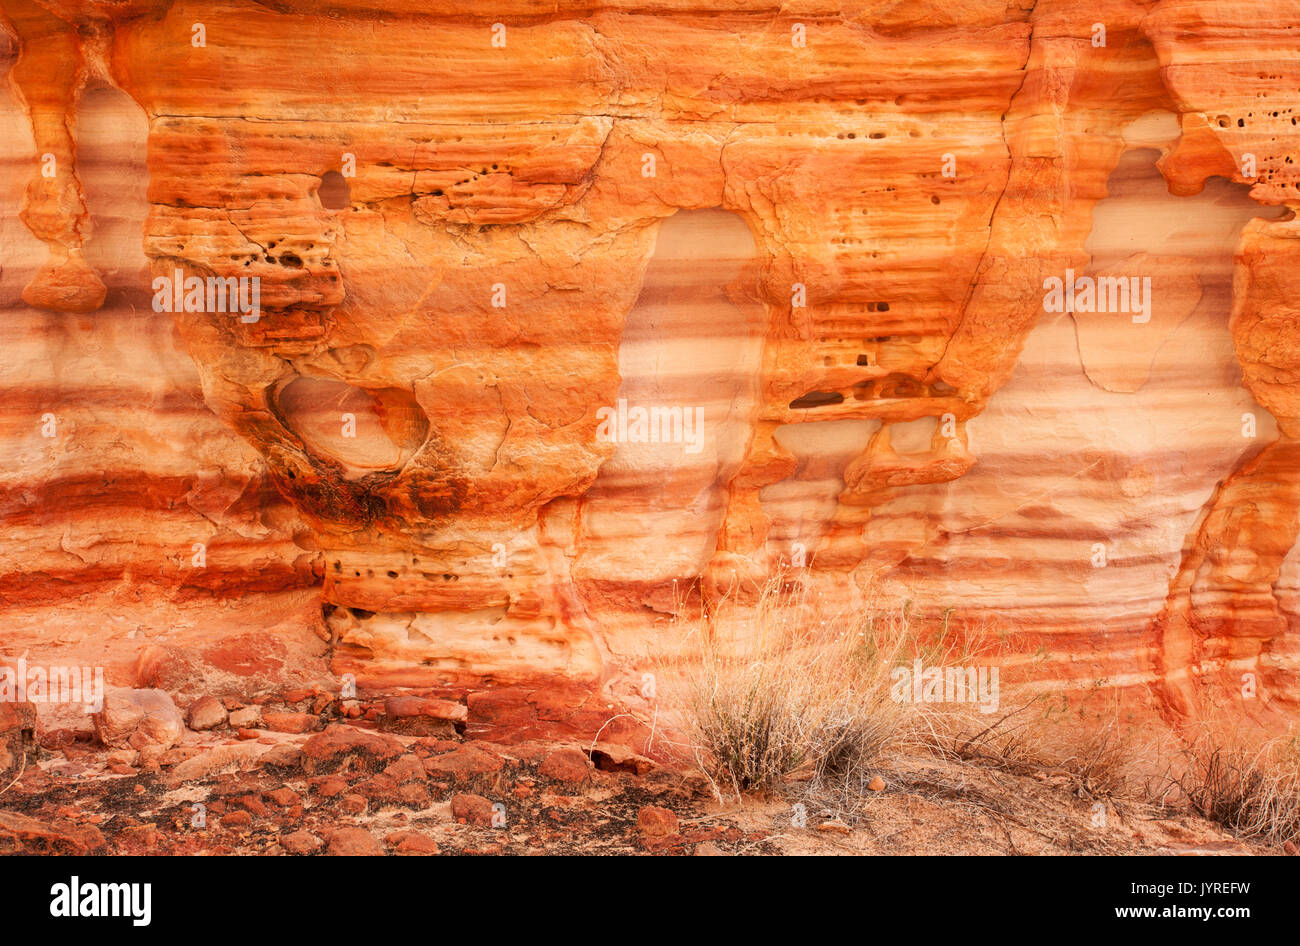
816, 399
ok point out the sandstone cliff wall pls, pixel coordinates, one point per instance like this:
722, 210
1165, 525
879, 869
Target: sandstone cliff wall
821, 232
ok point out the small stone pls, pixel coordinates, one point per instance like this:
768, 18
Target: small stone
342, 744
249, 734
354, 842
406, 769
282, 756
206, 713
238, 821
301, 842
123, 757
290, 722
331, 786
353, 804
407, 706
246, 718
656, 822
566, 764
284, 797
877, 784
251, 803
383, 789
834, 826
138, 718
471, 809
413, 842
464, 762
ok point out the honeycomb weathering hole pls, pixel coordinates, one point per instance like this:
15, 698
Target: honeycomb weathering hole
364, 431
816, 399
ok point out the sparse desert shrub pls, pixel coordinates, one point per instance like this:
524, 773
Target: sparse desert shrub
1254, 793
784, 686
1101, 749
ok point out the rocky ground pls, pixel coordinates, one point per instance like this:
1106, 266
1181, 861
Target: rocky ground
406, 775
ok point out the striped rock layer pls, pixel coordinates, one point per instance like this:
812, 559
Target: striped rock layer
812, 245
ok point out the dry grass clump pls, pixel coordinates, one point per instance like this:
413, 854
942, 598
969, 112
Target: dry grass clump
1102, 751
783, 687
779, 688
1254, 793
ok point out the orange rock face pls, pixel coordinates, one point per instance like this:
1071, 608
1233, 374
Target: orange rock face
444, 344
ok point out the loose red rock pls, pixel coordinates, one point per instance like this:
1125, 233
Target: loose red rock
471, 809
566, 764
354, 842
291, 722
206, 713
655, 822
